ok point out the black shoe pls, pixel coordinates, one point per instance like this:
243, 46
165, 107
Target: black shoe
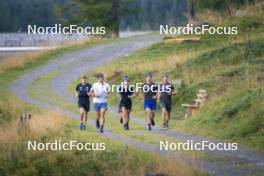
164, 125
149, 127
126, 127
84, 127
101, 129
152, 122
97, 124
121, 120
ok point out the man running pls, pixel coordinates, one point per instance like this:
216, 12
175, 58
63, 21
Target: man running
165, 94
125, 92
100, 91
150, 90
82, 91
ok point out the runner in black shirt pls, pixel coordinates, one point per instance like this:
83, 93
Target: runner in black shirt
165, 94
125, 92
82, 92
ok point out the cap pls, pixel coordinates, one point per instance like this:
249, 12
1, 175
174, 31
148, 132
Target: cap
126, 78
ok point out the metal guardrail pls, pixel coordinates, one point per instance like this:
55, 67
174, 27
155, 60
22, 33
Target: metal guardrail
27, 40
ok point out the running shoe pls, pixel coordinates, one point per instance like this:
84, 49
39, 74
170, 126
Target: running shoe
152, 122
101, 129
125, 128
164, 125
121, 120
81, 126
84, 127
97, 124
149, 127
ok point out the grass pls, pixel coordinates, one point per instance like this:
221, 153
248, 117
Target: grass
117, 159
229, 67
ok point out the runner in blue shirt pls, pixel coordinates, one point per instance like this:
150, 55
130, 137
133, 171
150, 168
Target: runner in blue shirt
150, 90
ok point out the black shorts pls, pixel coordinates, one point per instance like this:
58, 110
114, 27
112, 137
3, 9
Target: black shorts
166, 105
85, 104
126, 102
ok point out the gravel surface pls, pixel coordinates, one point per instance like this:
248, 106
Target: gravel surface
241, 162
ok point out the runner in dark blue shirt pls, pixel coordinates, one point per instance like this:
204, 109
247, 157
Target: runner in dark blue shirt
82, 92
150, 90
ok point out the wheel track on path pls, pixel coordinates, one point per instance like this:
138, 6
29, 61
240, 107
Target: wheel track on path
87, 59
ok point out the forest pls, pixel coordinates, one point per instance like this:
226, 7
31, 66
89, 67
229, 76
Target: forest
15, 15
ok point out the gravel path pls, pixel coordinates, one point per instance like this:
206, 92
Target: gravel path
236, 163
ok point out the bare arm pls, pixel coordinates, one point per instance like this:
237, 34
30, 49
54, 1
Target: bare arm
174, 93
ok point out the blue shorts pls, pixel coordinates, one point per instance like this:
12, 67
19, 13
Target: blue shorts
99, 106
150, 104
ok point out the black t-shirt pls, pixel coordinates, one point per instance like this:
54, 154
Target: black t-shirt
150, 90
165, 92
83, 89
125, 92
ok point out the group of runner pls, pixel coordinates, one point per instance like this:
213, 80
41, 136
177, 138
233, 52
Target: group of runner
125, 92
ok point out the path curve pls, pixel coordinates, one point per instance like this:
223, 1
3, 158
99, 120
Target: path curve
81, 61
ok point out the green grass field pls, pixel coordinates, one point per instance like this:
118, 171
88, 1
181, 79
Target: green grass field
230, 68
46, 126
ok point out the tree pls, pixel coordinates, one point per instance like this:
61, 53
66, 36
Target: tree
191, 10
103, 12
222, 6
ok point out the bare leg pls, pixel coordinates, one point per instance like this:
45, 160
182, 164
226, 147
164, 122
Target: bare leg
102, 117
85, 118
168, 116
163, 115
82, 112
125, 115
121, 117
152, 115
128, 115
149, 115
97, 116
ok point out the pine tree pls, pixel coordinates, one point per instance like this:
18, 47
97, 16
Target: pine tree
104, 12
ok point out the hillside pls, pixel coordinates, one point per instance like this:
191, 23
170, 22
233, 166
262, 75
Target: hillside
46, 126
230, 68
